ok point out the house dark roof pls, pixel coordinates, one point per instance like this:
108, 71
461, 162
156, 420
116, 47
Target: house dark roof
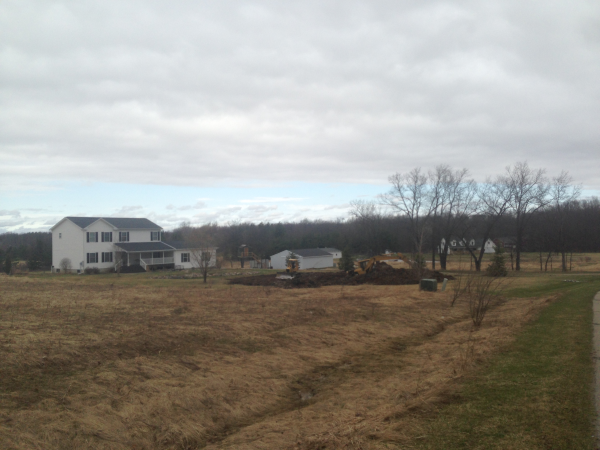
331, 250
310, 252
132, 223
117, 222
156, 246
83, 221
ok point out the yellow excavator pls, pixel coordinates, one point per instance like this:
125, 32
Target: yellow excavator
293, 265
366, 265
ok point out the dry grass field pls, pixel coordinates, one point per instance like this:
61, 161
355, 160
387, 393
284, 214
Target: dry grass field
132, 362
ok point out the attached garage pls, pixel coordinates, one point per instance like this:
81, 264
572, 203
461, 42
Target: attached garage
309, 258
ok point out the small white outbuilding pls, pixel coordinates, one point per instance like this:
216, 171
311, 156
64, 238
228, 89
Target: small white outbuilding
309, 258
337, 254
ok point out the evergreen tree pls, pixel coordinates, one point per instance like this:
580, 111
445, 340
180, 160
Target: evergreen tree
7, 264
346, 261
497, 267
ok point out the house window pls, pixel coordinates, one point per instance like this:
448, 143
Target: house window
123, 236
185, 257
92, 236
155, 235
107, 236
92, 258
60, 235
107, 257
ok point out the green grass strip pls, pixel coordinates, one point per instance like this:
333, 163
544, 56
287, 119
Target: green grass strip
538, 393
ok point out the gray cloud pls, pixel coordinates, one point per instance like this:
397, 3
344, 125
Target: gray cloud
14, 213
261, 208
195, 93
131, 211
198, 205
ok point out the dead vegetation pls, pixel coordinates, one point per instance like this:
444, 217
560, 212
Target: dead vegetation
382, 274
118, 363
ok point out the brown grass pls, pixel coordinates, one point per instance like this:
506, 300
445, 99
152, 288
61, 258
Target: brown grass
120, 363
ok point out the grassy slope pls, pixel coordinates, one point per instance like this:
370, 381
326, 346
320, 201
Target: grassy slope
538, 393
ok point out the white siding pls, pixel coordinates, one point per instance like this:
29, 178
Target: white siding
316, 262
70, 245
134, 235
99, 247
192, 264
489, 246
278, 260
337, 254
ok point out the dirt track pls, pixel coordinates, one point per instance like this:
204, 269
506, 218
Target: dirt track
382, 274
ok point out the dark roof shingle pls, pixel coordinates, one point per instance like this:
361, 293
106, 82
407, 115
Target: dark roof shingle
117, 222
83, 221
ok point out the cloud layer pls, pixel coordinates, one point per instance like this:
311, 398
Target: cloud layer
226, 93
258, 94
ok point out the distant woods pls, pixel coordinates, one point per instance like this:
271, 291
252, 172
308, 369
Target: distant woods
538, 212
35, 249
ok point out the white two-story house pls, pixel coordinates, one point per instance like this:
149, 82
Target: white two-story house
108, 243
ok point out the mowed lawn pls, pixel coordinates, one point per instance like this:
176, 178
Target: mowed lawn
142, 362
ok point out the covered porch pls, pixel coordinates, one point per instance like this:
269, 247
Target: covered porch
148, 255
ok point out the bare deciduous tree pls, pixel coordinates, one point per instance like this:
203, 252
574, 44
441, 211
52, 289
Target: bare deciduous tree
202, 251
412, 196
528, 194
493, 201
562, 193
457, 203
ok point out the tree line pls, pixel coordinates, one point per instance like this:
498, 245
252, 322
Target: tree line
543, 214
35, 249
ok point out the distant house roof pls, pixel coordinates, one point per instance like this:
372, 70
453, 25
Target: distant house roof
117, 222
155, 246
331, 249
310, 252
83, 221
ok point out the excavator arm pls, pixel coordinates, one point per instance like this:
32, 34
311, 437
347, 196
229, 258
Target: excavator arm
366, 265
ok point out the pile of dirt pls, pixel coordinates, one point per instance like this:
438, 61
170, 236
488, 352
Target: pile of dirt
382, 274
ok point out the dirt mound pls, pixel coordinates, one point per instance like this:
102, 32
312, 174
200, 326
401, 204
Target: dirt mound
382, 274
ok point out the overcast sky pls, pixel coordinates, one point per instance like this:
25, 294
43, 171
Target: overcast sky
270, 110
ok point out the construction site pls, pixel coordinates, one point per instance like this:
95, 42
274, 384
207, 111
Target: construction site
381, 274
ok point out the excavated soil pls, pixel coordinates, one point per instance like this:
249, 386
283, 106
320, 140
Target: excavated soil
382, 274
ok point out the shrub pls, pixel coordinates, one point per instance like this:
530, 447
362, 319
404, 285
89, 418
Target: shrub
91, 270
483, 293
65, 265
